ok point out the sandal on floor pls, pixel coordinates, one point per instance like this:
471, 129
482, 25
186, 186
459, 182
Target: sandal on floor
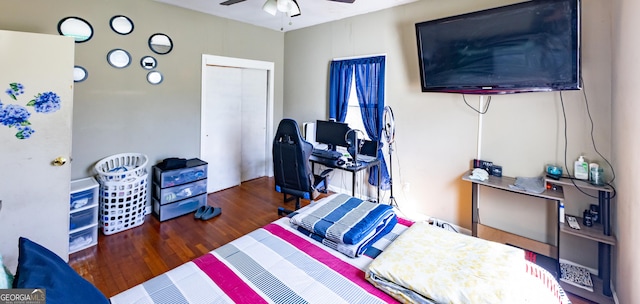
200, 212
210, 213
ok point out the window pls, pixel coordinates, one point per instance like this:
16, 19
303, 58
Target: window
354, 116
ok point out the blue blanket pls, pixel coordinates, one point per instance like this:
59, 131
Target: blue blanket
342, 218
359, 248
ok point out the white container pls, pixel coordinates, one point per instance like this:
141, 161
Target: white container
561, 212
581, 169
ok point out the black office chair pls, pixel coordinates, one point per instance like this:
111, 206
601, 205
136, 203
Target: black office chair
291, 167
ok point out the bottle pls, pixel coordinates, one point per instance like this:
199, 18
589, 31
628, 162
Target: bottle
561, 212
581, 169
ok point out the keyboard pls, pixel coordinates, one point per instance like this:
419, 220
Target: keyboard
328, 154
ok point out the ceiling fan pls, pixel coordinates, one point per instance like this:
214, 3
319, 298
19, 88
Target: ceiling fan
290, 7
230, 2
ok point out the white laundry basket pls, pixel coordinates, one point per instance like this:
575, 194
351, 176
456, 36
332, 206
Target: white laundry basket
123, 191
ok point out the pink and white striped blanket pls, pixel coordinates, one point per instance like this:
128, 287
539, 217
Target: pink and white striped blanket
273, 264
278, 264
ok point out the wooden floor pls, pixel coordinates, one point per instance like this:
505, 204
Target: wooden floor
130, 257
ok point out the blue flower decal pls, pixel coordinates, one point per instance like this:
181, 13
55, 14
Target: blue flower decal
24, 132
15, 89
17, 116
14, 116
47, 102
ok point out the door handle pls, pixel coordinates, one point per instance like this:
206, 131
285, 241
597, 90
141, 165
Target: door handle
59, 161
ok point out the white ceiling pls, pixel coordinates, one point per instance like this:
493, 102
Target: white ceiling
313, 11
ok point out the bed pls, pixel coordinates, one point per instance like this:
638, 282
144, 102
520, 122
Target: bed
281, 263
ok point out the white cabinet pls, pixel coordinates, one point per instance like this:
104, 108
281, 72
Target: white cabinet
83, 214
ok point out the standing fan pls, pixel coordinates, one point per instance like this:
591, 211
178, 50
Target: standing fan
389, 130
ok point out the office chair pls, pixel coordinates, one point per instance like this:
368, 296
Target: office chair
291, 167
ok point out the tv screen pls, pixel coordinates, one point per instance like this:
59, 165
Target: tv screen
525, 47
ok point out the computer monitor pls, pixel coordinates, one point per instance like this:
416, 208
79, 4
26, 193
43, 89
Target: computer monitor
332, 133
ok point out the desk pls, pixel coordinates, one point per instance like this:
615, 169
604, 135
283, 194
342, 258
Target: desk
329, 163
600, 233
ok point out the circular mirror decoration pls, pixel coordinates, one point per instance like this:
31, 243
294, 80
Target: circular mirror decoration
160, 43
75, 27
121, 24
79, 74
119, 58
148, 63
154, 77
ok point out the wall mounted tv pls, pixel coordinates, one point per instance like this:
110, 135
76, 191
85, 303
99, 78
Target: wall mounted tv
524, 47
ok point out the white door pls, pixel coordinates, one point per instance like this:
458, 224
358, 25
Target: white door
235, 122
36, 96
222, 126
236, 153
254, 121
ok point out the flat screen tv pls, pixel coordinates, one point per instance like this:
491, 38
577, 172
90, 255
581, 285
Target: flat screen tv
524, 47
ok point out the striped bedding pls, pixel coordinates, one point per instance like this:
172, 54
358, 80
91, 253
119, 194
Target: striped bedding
273, 264
279, 264
342, 218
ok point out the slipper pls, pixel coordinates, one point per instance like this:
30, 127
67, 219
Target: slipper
210, 213
200, 211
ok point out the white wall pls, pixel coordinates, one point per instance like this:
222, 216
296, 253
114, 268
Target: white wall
626, 145
437, 133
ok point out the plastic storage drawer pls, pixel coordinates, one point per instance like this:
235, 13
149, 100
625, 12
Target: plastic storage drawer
175, 209
83, 218
83, 239
176, 193
195, 170
82, 198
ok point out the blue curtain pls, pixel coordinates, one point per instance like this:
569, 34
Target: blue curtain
339, 89
370, 91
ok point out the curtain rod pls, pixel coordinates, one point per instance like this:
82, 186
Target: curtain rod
361, 56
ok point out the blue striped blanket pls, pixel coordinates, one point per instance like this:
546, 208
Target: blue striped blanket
359, 248
343, 219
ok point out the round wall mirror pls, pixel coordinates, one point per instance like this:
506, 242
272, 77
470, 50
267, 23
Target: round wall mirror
121, 24
75, 27
148, 63
160, 43
119, 58
154, 77
79, 74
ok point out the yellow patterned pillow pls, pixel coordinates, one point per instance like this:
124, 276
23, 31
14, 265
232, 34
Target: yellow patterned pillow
432, 263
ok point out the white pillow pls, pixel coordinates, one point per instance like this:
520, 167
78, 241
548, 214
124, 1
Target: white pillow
6, 278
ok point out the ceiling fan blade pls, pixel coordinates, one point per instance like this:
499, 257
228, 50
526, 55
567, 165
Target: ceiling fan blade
229, 2
344, 1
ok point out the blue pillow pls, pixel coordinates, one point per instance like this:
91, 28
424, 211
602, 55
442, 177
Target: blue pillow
38, 267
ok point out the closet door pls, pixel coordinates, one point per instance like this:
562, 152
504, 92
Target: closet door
234, 124
223, 126
254, 121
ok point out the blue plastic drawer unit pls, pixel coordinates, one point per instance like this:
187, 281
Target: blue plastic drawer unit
179, 191
196, 169
83, 218
83, 214
83, 238
176, 193
169, 211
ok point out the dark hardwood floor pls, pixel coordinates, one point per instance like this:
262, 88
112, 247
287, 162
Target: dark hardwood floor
125, 259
